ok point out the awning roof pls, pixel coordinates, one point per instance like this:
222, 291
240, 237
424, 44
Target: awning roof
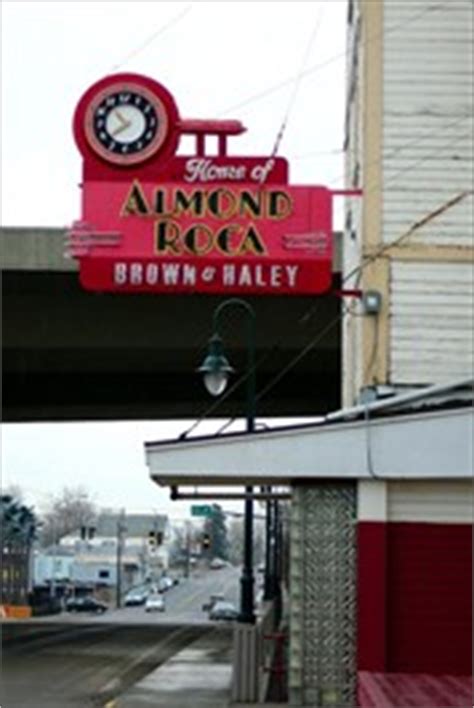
432, 445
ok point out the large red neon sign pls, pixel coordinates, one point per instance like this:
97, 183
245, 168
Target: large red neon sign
156, 222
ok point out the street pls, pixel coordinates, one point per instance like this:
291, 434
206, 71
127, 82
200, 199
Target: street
87, 660
184, 601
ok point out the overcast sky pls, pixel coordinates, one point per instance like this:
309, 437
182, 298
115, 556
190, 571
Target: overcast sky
263, 63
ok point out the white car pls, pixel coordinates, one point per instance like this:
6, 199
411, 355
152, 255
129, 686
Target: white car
155, 603
136, 597
223, 610
218, 597
164, 583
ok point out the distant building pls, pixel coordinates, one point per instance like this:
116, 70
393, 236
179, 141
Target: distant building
135, 543
55, 563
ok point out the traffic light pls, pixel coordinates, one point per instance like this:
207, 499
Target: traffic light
206, 540
155, 538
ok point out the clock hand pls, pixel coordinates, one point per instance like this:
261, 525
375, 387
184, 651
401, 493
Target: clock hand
121, 118
124, 126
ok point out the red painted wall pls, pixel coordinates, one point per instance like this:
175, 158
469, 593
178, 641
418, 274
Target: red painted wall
429, 627
415, 598
371, 596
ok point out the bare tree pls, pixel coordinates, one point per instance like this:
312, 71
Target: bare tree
236, 541
72, 509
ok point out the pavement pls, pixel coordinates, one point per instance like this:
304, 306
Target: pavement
199, 676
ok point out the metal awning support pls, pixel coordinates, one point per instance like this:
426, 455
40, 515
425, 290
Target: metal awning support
175, 494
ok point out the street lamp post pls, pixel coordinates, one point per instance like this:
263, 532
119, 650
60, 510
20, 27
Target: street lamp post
216, 370
269, 579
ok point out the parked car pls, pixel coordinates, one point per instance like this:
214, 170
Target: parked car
85, 604
217, 564
155, 603
223, 610
165, 583
212, 601
136, 597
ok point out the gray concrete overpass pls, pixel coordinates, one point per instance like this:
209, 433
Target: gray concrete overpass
73, 355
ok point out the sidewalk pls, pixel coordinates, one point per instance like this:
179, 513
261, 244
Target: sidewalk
197, 677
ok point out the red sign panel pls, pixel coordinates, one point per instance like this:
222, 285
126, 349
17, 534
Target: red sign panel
156, 222
213, 239
197, 169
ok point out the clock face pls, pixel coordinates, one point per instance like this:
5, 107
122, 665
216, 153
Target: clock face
126, 124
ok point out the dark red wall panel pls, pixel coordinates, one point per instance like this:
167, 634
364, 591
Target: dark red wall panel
415, 598
429, 593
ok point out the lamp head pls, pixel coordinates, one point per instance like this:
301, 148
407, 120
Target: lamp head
215, 367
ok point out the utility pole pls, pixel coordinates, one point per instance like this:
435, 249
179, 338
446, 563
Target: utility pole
52, 587
188, 549
155, 550
121, 528
269, 581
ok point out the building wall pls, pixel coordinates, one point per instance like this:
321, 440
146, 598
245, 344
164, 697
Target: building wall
430, 598
414, 577
48, 567
431, 315
409, 146
409, 141
95, 572
322, 662
15, 573
427, 120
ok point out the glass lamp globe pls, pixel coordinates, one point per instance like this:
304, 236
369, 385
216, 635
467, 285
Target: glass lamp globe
216, 382
216, 368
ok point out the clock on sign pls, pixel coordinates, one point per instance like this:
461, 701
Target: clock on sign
126, 124
125, 120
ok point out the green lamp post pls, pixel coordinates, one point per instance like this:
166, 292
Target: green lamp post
216, 370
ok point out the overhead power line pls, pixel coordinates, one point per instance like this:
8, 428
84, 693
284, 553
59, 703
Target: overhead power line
427, 218
164, 28
297, 82
327, 62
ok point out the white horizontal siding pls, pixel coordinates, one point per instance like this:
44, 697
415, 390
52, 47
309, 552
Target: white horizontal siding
431, 322
453, 229
427, 129
431, 502
419, 133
